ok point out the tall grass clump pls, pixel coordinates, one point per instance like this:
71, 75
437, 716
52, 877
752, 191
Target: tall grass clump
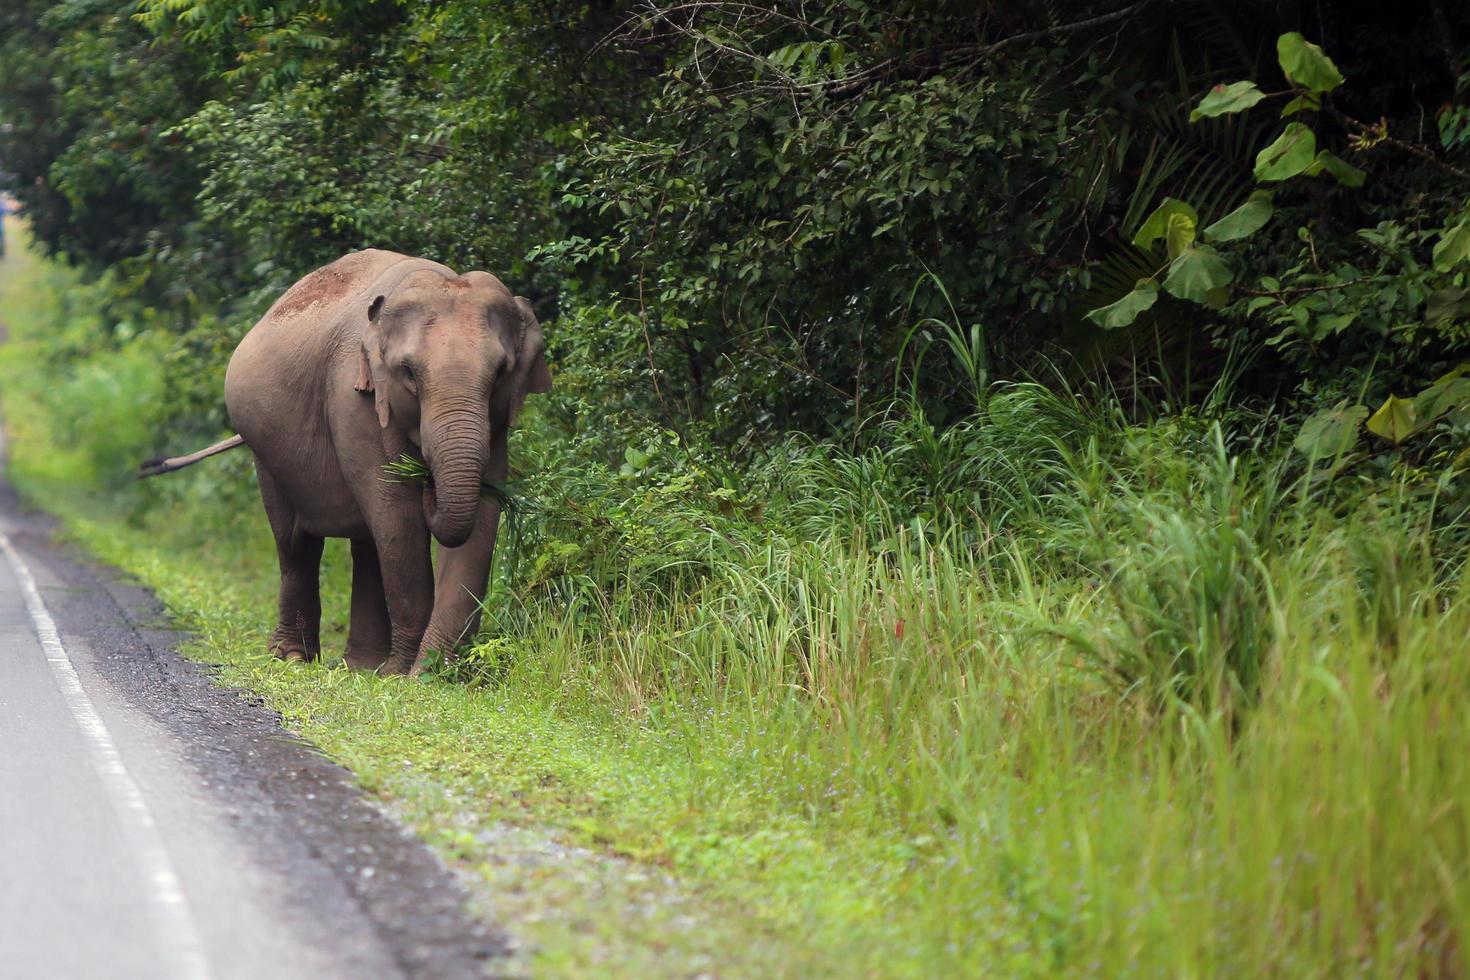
1180, 556
1142, 693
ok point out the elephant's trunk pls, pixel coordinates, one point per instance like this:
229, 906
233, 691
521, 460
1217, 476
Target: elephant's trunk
455, 438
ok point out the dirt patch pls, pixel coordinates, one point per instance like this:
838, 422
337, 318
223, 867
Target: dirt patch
324, 286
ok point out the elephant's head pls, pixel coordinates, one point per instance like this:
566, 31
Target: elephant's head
449, 363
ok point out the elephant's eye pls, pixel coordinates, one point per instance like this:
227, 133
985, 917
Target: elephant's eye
408, 372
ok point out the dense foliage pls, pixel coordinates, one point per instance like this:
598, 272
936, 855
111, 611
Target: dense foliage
739, 211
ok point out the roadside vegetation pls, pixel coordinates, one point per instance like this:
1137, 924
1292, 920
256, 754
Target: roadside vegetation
1042, 691
1001, 510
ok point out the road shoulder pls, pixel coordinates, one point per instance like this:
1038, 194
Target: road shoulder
334, 883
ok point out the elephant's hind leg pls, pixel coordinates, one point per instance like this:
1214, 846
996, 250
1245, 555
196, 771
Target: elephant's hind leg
297, 636
369, 635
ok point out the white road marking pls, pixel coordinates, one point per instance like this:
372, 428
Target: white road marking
177, 933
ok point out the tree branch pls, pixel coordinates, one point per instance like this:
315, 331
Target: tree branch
974, 52
1373, 133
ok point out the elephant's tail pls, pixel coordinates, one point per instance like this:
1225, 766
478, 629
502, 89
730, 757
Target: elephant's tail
167, 464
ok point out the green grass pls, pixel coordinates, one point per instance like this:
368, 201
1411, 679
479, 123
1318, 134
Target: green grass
1045, 692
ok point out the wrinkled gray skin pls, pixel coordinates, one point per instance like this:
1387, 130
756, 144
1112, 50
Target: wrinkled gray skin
376, 355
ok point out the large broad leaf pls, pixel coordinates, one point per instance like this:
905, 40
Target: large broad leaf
1449, 393
1330, 432
1145, 293
1156, 225
1292, 153
1306, 102
1196, 273
1224, 99
1453, 248
1306, 65
1327, 162
1245, 220
1180, 234
1395, 419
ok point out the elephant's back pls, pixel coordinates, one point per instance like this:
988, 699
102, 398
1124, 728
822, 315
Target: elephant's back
300, 339
317, 297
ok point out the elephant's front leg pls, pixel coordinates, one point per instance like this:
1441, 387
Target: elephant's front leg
459, 587
370, 631
408, 586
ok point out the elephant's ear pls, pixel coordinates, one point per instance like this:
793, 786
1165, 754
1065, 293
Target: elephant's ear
370, 365
364, 382
538, 379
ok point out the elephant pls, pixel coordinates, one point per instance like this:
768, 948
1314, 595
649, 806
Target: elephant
372, 357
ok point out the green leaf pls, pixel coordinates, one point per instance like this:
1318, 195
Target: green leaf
1306, 102
1333, 324
1123, 312
1156, 225
1224, 99
1453, 247
1292, 153
1450, 392
1441, 399
1306, 65
1330, 432
1346, 174
1450, 303
1196, 272
1395, 420
1180, 234
1245, 220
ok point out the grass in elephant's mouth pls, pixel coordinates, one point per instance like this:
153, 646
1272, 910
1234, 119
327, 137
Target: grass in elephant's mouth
411, 469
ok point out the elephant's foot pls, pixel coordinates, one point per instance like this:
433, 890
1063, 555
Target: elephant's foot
396, 665
434, 649
293, 649
293, 653
430, 656
364, 658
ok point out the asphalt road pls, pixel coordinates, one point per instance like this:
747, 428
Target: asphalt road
154, 825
